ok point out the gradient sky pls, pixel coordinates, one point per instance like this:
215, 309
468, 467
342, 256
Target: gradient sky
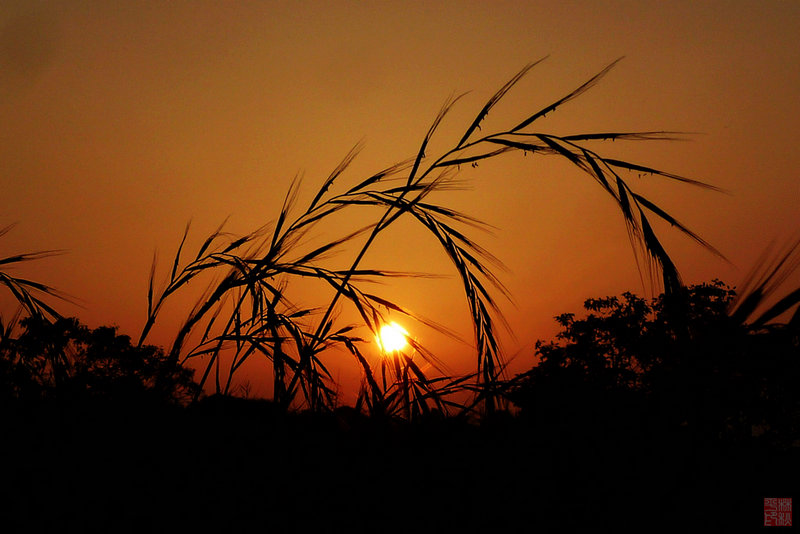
120, 121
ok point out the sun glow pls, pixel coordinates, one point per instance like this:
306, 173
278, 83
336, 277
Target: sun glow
392, 337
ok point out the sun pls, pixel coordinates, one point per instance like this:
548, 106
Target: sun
392, 337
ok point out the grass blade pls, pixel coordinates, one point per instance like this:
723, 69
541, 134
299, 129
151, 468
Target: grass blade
495, 99
577, 92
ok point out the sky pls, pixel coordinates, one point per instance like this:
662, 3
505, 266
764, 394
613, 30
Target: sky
122, 121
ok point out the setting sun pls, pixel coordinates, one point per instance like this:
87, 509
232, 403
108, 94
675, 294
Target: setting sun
392, 337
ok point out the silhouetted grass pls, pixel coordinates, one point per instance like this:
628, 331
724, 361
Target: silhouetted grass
29, 294
247, 312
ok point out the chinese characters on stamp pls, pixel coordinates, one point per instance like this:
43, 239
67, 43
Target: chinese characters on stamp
778, 512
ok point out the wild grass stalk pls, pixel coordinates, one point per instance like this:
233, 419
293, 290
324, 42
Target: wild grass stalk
29, 294
248, 312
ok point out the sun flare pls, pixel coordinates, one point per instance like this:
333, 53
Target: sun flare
392, 337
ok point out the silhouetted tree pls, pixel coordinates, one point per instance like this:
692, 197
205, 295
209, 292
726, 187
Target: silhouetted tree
634, 361
66, 360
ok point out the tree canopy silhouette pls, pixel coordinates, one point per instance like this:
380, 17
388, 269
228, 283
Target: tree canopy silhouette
65, 360
634, 360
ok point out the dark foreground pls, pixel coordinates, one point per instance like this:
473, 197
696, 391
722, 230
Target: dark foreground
239, 466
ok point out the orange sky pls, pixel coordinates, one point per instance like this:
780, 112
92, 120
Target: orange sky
120, 121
